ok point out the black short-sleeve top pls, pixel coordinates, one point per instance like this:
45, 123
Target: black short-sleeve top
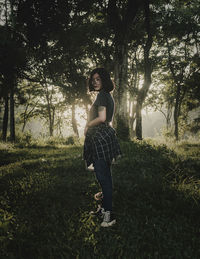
103, 99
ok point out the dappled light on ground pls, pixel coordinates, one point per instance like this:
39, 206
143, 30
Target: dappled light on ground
46, 196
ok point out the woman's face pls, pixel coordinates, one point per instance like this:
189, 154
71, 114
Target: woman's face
96, 82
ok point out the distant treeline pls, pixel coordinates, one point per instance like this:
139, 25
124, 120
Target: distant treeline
48, 48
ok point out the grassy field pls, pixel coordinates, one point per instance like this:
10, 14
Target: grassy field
46, 194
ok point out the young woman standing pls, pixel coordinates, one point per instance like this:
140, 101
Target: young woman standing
101, 146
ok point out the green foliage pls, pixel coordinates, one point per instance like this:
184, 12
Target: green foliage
89, 34
71, 140
46, 195
167, 133
23, 139
195, 126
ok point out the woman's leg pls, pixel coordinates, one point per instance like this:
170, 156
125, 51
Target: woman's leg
104, 177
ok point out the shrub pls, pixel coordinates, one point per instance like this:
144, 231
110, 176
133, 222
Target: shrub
167, 133
72, 140
24, 139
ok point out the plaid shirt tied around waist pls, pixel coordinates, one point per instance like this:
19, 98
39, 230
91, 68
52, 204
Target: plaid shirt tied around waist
101, 143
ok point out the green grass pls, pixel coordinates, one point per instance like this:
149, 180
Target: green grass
45, 196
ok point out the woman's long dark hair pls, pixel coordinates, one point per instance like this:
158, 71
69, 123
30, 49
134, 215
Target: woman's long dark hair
107, 83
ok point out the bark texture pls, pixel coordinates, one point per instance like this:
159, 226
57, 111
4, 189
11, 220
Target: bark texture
120, 94
5, 118
74, 122
179, 91
142, 93
12, 115
50, 110
121, 25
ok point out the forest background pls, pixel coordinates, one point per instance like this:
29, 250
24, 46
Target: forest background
48, 48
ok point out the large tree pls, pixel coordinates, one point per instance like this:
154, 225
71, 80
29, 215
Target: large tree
65, 39
180, 37
142, 93
13, 62
121, 18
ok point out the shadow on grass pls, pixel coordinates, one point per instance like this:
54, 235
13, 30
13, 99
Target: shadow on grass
157, 216
29, 153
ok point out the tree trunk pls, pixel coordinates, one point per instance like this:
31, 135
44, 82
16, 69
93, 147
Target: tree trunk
12, 115
121, 24
50, 110
168, 117
120, 94
74, 123
180, 92
60, 128
25, 117
24, 125
134, 85
176, 111
5, 118
138, 128
147, 72
51, 121
132, 119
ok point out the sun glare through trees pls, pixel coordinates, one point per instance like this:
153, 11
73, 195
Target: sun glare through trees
48, 49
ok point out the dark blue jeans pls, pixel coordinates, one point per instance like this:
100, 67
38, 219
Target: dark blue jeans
103, 174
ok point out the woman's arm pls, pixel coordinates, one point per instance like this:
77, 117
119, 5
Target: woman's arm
98, 120
101, 118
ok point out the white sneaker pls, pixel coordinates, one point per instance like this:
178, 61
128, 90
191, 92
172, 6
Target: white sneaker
108, 220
